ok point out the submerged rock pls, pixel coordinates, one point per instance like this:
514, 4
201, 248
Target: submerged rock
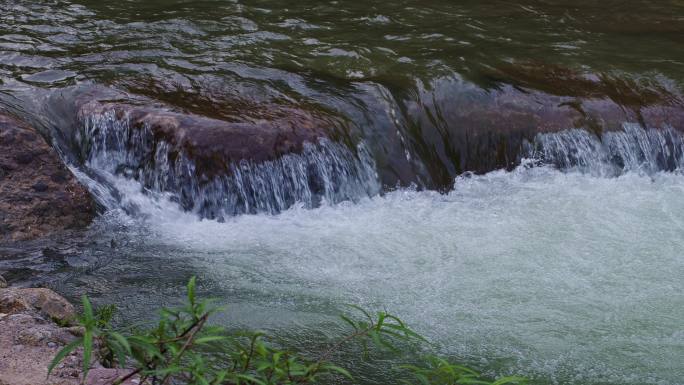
38, 194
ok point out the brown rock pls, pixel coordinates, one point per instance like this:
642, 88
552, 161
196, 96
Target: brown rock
33, 203
42, 301
28, 344
214, 144
460, 127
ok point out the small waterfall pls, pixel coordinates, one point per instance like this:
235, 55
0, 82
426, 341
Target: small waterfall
322, 172
613, 153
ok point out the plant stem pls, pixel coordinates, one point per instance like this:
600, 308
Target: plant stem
187, 343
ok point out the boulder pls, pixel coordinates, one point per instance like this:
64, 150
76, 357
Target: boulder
41, 301
28, 343
29, 340
212, 144
215, 167
456, 126
38, 194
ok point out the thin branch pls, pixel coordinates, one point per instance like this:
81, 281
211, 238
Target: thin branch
251, 353
188, 342
325, 356
126, 377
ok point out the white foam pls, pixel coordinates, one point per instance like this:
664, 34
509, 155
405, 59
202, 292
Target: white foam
565, 276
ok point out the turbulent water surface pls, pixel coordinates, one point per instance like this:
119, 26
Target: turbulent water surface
565, 265
564, 277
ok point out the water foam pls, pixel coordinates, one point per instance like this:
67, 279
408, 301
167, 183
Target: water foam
561, 276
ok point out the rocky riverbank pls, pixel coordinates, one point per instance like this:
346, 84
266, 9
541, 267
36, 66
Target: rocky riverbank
35, 323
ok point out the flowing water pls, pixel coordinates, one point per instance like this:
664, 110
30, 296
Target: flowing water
566, 265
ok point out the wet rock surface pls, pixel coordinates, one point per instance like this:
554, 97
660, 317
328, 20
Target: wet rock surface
38, 194
211, 143
220, 168
435, 133
458, 127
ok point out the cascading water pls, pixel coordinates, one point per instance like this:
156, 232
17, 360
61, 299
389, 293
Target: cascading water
567, 269
634, 149
323, 172
329, 172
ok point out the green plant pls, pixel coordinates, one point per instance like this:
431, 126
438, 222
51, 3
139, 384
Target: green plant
92, 329
104, 315
184, 348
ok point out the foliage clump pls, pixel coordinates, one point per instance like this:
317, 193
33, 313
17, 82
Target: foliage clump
184, 349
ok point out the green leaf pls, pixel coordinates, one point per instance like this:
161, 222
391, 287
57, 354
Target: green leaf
422, 378
168, 370
472, 381
220, 376
350, 322
408, 332
191, 289
250, 379
204, 340
362, 310
119, 353
121, 340
380, 342
63, 353
87, 309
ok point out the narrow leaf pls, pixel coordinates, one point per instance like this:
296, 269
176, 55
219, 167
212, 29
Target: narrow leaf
63, 353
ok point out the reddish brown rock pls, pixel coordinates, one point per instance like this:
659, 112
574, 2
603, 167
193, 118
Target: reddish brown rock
38, 194
457, 127
214, 144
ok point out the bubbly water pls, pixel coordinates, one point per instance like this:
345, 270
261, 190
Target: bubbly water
565, 277
570, 277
